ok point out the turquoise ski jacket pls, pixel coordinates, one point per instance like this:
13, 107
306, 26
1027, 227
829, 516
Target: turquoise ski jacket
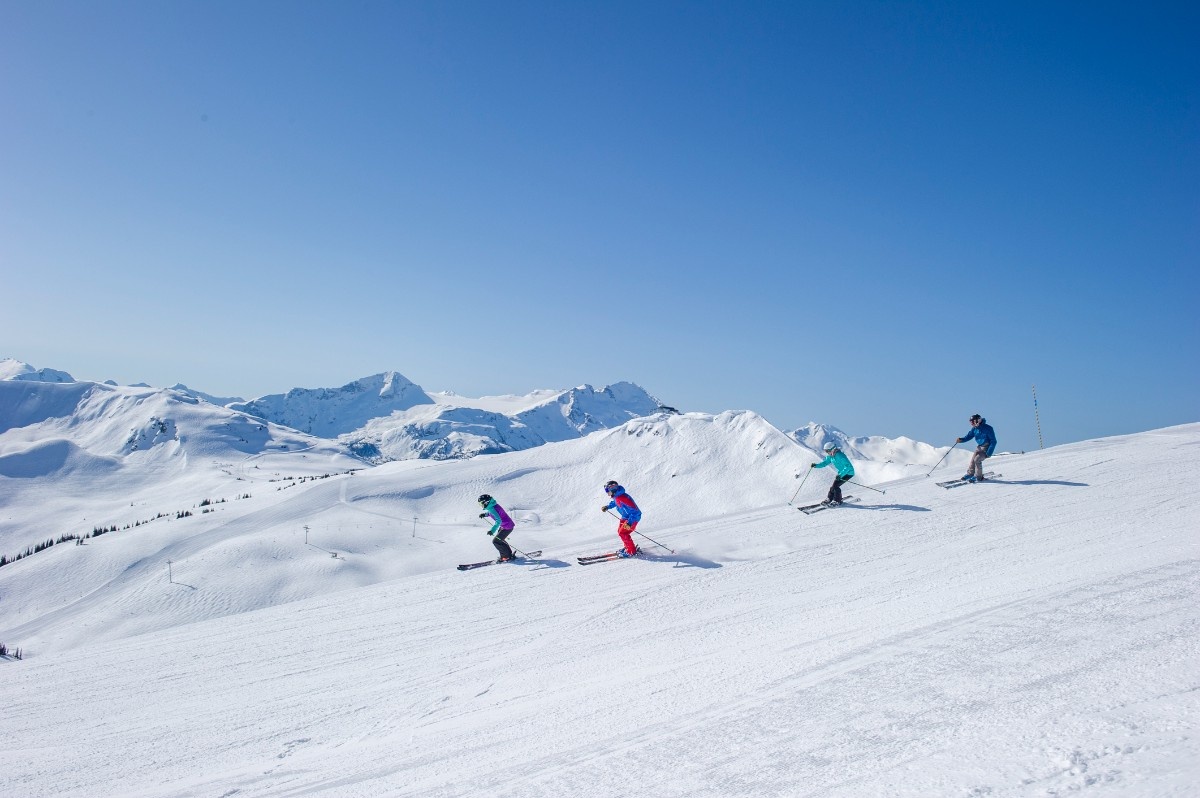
840, 461
502, 522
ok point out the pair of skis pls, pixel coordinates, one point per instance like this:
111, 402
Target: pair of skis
607, 556
809, 509
529, 555
958, 483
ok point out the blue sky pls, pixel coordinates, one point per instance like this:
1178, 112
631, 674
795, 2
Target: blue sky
880, 216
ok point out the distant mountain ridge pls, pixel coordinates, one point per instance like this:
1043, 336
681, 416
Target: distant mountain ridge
387, 417
454, 428
11, 369
330, 412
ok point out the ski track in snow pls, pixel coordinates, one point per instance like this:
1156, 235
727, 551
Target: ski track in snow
1034, 636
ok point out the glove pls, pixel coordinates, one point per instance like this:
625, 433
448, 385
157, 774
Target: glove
604, 509
490, 533
958, 440
483, 515
812, 465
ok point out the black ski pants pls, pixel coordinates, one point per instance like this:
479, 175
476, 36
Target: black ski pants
501, 546
835, 490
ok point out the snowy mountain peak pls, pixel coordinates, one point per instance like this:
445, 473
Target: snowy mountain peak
11, 369
332, 412
874, 447
456, 427
220, 401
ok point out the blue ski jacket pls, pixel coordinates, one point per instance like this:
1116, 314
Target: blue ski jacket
983, 435
840, 461
625, 505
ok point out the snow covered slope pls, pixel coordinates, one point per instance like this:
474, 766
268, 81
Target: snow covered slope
399, 519
1032, 636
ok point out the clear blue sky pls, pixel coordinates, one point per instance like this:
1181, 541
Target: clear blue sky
881, 216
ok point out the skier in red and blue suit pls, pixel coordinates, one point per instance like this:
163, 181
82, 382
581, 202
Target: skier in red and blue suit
630, 515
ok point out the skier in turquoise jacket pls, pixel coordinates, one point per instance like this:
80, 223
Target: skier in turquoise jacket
838, 459
502, 526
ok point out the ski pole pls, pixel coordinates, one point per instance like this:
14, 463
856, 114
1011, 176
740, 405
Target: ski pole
797, 493
868, 487
643, 534
655, 542
939, 462
515, 549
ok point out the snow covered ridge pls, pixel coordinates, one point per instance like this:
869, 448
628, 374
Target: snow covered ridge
875, 448
220, 401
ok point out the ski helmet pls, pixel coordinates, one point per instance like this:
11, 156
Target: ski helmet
484, 499
830, 447
610, 486
976, 418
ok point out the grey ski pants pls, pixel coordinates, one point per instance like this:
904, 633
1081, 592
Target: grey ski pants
976, 465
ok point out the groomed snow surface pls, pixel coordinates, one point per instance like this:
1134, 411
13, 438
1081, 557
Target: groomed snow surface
1032, 636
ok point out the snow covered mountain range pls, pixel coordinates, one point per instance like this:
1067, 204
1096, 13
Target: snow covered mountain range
387, 417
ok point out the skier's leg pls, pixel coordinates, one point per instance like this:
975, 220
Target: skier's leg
977, 459
500, 544
835, 492
625, 531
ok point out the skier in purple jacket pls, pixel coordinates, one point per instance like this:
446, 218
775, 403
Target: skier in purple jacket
501, 527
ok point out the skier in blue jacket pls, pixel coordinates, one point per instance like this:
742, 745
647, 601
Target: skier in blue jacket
838, 459
985, 438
